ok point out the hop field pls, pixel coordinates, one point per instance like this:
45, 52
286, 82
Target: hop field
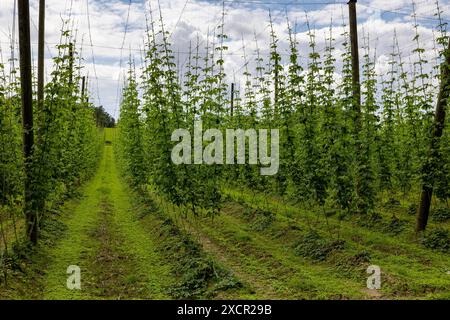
357, 208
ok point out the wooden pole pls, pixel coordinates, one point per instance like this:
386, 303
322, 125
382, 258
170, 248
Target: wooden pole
41, 53
356, 97
434, 161
27, 116
232, 99
355, 55
41, 40
83, 85
71, 63
360, 158
87, 86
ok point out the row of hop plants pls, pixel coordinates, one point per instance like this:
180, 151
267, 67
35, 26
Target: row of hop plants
330, 153
66, 149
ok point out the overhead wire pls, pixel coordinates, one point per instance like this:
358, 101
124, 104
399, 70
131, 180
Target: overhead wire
92, 51
179, 18
232, 53
121, 57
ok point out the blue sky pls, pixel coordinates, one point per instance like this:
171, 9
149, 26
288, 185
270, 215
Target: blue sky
187, 19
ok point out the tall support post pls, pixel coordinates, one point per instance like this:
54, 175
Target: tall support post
27, 117
232, 99
41, 41
86, 88
356, 101
434, 161
83, 86
71, 62
355, 55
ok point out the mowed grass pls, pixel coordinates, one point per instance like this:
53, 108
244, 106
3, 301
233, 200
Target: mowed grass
135, 246
268, 267
258, 237
409, 270
264, 254
115, 253
125, 248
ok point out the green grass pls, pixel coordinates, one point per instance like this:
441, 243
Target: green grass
80, 217
131, 245
107, 242
139, 243
124, 248
268, 266
409, 270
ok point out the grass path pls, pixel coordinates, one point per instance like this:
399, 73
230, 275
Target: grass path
263, 256
409, 269
116, 255
268, 268
131, 247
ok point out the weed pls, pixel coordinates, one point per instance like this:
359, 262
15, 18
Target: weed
313, 246
394, 226
412, 209
392, 203
259, 220
438, 239
441, 214
371, 220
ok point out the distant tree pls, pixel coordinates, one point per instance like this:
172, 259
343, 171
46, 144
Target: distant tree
103, 119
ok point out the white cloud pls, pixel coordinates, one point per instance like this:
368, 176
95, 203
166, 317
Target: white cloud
107, 22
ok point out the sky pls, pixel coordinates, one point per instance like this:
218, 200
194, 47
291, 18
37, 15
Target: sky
115, 29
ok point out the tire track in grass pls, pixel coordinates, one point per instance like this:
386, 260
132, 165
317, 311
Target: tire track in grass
270, 263
265, 276
116, 256
262, 288
72, 248
150, 270
269, 267
111, 266
319, 281
410, 269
